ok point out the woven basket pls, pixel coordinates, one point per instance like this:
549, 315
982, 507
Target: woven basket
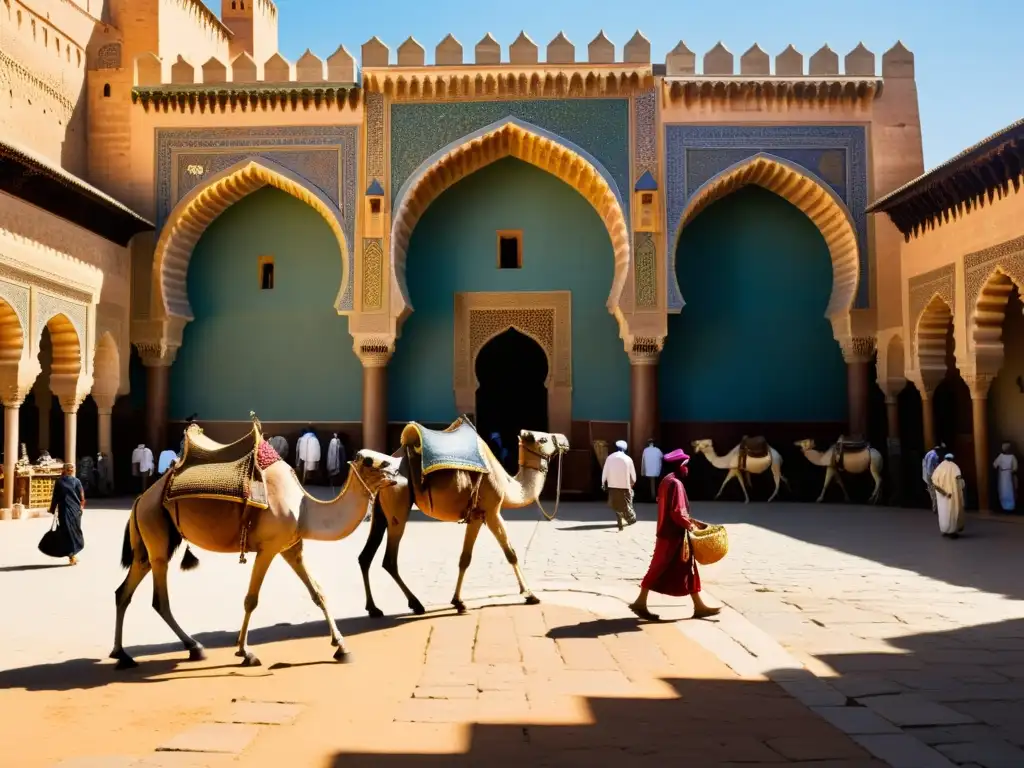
710, 544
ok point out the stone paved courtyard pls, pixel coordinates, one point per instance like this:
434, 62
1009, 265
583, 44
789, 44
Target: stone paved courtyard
883, 638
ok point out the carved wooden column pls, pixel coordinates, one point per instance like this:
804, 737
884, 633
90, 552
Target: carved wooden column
158, 359
891, 388
928, 417
979, 384
104, 421
12, 409
375, 355
643, 420
858, 353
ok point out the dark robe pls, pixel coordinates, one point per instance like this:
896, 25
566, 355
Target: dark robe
67, 539
668, 573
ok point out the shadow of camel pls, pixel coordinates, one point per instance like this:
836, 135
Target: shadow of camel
33, 567
590, 527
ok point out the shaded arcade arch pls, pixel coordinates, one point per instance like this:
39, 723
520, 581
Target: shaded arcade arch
510, 138
809, 194
932, 331
106, 365
200, 207
66, 362
512, 371
989, 316
12, 339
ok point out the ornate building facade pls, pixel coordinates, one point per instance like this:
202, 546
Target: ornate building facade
354, 242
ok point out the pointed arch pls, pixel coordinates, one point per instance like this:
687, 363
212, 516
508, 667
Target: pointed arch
988, 317
106, 365
12, 335
511, 324
810, 194
200, 207
931, 331
510, 138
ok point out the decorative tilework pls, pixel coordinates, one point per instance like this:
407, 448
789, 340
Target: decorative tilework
645, 270
600, 126
325, 156
837, 154
645, 155
17, 296
374, 136
373, 273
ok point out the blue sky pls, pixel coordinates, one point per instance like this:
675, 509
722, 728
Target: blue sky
969, 60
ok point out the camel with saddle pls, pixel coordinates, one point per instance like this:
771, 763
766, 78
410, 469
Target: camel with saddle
238, 498
751, 456
852, 455
452, 476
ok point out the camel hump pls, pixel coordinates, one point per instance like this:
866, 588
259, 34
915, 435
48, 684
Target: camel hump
458, 447
853, 444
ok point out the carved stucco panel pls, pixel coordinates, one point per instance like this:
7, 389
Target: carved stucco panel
645, 259
49, 306
373, 273
17, 296
1008, 257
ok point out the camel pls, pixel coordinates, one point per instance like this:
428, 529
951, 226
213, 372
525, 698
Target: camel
754, 464
856, 458
154, 531
454, 495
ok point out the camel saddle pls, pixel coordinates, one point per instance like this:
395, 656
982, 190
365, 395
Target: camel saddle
457, 447
846, 445
209, 470
752, 448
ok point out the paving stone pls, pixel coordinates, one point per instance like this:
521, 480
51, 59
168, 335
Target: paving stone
831, 747
954, 734
913, 709
228, 738
856, 686
813, 692
856, 721
262, 713
110, 761
446, 692
903, 751
182, 760
989, 754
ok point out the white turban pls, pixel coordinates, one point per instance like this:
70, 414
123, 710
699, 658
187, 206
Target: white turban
621, 445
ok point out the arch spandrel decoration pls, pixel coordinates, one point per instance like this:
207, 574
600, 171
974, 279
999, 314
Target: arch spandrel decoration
923, 290
990, 276
819, 203
544, 316
200, 207
534, 145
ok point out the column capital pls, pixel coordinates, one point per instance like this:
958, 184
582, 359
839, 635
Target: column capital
858, 349
14, 396
374, 351
156, 354
104, 401
979, 384
644, 350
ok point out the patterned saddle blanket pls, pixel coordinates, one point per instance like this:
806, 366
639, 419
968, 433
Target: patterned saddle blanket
209, 470
848, 445
457, 447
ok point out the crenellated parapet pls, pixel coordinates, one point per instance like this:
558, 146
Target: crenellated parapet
820, 82
525, 71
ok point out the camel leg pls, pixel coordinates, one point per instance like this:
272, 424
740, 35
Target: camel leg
728, 477
842, 485
496, 525
162, 605
378, 526
777, 477
876, 474
294, 558
736, 473
472, 531
830, 474
252, 598
396, 529
122, 598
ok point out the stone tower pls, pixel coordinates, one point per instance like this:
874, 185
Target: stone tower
254, 26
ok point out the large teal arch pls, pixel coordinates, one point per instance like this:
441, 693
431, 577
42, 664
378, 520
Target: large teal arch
283, 353
752, 344
453, 249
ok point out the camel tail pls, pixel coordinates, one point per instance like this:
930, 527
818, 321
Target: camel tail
128, 546
189, 562
127, 555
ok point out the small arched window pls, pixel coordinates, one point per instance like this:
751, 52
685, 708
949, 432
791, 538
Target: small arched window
106, 90
234, 5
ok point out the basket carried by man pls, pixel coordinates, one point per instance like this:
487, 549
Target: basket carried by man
710, 542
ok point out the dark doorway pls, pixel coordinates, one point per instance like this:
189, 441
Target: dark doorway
511, 370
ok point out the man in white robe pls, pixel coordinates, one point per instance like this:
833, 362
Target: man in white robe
948, 482
1006, 465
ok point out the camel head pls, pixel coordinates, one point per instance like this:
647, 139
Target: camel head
376, 470
703, 446
805, 445
545, 443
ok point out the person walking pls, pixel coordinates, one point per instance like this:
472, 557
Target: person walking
65, 539
1006, 465
931, 460
948, 482
650, 467
673, 570
618, 478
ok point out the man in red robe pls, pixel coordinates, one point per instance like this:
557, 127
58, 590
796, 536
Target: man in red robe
673, 571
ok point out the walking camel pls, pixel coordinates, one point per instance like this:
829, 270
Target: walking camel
750, 456
202, 501
453, 477
855, 457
